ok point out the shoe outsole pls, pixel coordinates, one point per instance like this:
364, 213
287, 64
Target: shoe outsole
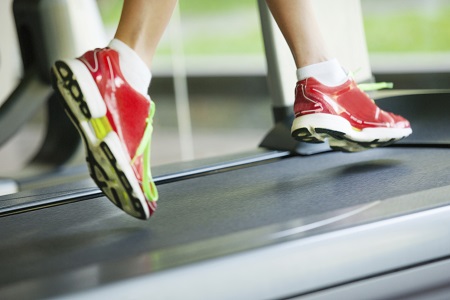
103, 165
338, 141
340, 135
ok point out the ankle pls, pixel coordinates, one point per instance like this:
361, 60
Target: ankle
133, 68
328, 72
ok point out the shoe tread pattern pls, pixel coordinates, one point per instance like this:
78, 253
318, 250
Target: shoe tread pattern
338, 140
63, 78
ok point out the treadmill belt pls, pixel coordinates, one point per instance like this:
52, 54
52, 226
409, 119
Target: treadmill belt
93, 234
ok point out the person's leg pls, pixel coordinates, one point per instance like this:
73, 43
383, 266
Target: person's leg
142, 24
329, 105
105, 95
296, 20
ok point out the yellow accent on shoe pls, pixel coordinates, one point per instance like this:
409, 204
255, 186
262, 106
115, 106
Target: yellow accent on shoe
148, 185
101, 127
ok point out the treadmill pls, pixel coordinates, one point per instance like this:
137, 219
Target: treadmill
296, 222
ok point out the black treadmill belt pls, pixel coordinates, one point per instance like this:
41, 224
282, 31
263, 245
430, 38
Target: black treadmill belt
65, 238
428, 114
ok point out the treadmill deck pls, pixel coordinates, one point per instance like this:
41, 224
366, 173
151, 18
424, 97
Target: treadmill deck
221, 214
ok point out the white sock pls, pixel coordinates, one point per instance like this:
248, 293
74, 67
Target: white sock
328, 72
133, 68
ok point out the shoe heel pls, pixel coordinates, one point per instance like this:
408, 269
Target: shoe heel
67, 84
75, 80
304, 134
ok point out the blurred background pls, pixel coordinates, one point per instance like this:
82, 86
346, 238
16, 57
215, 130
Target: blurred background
225, 64
222, 53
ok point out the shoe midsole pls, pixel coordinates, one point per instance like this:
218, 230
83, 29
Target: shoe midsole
340, 124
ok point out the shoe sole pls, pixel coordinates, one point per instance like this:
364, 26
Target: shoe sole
341, 136
105, 156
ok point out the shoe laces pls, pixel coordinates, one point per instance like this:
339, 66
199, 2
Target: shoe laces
372, 86
144, 149
375, 86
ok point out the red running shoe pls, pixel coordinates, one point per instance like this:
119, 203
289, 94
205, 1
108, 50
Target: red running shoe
115, 122
344, 115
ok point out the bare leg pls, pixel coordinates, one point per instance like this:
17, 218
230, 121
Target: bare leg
300, 29
142, 24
